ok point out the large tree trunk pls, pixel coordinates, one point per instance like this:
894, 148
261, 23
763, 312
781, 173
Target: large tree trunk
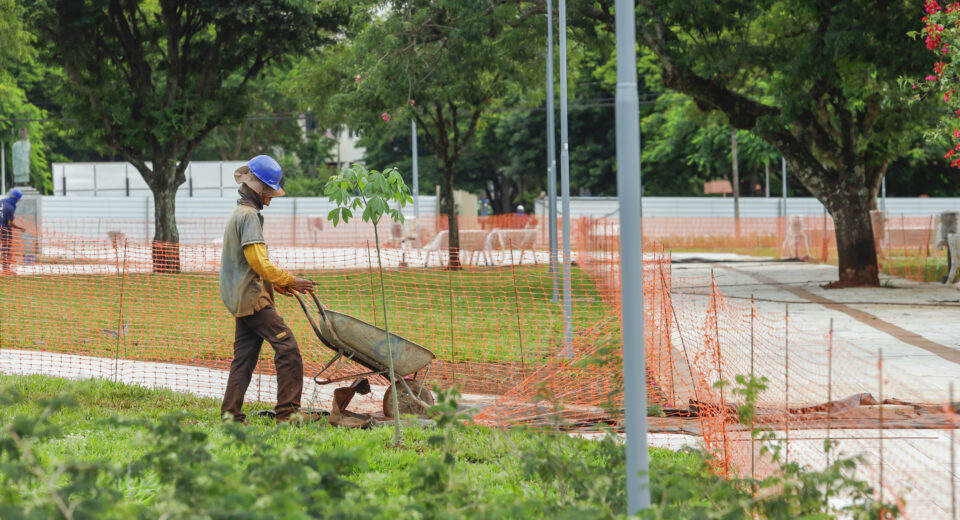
166, 237
855, 242
450, 209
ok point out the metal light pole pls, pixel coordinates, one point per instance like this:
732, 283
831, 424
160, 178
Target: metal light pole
631, 259
736, 181
883, 195
416, 180
783, 175
565, 184
3, 168
551, 159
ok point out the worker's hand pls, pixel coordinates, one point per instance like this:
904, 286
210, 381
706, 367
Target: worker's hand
282, 290
302, 285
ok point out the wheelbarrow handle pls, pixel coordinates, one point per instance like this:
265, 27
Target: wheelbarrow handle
319, 305
313, 323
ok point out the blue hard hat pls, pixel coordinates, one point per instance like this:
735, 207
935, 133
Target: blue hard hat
16, 193
267, 169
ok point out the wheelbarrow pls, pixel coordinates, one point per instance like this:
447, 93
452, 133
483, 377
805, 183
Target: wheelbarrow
358, 341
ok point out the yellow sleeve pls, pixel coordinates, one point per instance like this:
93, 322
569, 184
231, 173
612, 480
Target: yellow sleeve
256, 255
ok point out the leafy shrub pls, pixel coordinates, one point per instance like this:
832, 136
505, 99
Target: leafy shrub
181, 469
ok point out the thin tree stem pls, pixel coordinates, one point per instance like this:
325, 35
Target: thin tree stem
386, 327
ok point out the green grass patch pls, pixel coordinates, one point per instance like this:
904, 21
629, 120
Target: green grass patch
147, 463
914, 267
499, 315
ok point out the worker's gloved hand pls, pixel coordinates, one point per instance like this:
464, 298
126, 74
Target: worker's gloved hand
302, 285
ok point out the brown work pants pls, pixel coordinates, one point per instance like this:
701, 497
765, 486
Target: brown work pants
265, 324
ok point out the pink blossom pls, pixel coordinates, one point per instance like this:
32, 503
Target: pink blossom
956, 133
411, 102
914, 87
358, 78
385, 116
931, 78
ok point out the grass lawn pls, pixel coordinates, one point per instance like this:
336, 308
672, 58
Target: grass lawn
476, 315
915, 266
489, 466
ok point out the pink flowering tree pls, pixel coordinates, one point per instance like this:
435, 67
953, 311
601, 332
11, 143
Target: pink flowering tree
941, 34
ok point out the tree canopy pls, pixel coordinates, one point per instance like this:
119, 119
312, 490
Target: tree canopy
151, 80
816, 80
442, 64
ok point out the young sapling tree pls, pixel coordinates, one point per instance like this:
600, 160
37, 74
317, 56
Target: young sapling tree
376, 194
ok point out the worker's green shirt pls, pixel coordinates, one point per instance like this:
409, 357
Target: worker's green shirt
241, 289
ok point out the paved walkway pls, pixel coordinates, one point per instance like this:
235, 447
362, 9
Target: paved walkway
914, 324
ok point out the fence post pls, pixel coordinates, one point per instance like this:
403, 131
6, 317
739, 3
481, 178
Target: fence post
453, 348
786, 377
94, 179
829, 388
121, 270
516, 299
753, 471
880, 408
723, 400
953, 458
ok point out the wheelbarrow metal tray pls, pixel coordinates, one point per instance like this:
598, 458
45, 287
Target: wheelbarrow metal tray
367, 344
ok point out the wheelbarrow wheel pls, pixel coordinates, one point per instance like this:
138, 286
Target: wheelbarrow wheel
407, 403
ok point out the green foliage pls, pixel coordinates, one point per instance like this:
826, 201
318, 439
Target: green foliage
117, 451
18, 70
442, 64
303, 186
375, 193
151, 80
372, 192
683, 148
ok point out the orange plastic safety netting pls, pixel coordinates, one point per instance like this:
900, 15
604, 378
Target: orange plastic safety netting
86, 302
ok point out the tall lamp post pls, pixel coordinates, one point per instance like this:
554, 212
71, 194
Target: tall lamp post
551, 159
631, 259
416, 179
565, 185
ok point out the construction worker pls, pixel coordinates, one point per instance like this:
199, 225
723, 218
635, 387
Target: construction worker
247, 281
8, 207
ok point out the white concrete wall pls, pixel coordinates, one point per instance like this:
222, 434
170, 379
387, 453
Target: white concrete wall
749, 206
120, 179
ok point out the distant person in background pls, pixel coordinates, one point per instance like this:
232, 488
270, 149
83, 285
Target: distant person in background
8, 207
485, 209
522, 220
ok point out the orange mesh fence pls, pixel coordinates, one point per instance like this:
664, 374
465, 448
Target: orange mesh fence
907, 246
83, 303
490, 324
820, 389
